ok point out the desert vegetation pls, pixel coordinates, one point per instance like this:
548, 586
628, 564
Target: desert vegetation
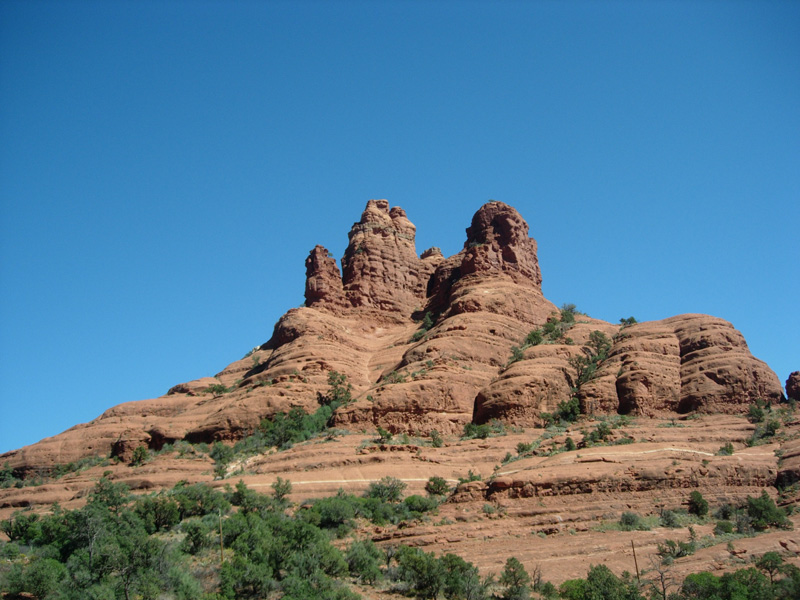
195, 542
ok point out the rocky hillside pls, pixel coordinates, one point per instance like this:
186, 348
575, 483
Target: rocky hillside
432, 343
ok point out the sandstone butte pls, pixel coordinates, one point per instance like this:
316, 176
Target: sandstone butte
687, 381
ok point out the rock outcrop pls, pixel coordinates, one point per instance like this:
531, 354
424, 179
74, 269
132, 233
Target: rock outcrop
426, 343
679, 365
793, 386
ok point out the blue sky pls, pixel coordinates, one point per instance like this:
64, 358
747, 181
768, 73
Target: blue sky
165, 168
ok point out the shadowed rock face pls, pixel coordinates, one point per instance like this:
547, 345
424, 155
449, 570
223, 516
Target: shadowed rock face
793, 386
408, 375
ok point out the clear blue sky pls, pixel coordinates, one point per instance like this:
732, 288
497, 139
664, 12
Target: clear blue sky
165, 168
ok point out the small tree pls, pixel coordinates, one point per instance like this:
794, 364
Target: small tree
516, 581
534, 338
436, 439
517, 354
602, 583
630, 521
217, 389
339, 391
422, 570
363, 558
43, 575
384, 436
140, 455
770, 562
461, 580
763, 513
281, 488
697, 504
388, 489
437, 486
196, 536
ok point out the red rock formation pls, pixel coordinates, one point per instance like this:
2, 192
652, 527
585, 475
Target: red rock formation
680, 364
793, 386
381, 268
415, 376
323, 280
498, 242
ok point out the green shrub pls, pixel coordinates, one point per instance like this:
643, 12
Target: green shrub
724, 512
7, 477
764, 513
196, 538
755, 414
140, 455
470, 477
436, 439
573, 589
586, 366
568, 312
672, 549
388, 489
630, 521
42, 576
364, 559
534, 338
281, 488
763, 432
517, 354
418, 505
567, 411
600, 433
524, 448
22, 526
697, 504
384, 436
422, 571
158, 513
462, 580
339, 390
726, 450
217, 389
199, 499
723, 527
515, 581
335, 512
394, 377
669, 518
437, 486
473, 430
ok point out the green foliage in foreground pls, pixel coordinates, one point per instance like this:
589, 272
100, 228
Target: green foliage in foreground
166, 546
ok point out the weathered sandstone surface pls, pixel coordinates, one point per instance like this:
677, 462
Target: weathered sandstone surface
425, 342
